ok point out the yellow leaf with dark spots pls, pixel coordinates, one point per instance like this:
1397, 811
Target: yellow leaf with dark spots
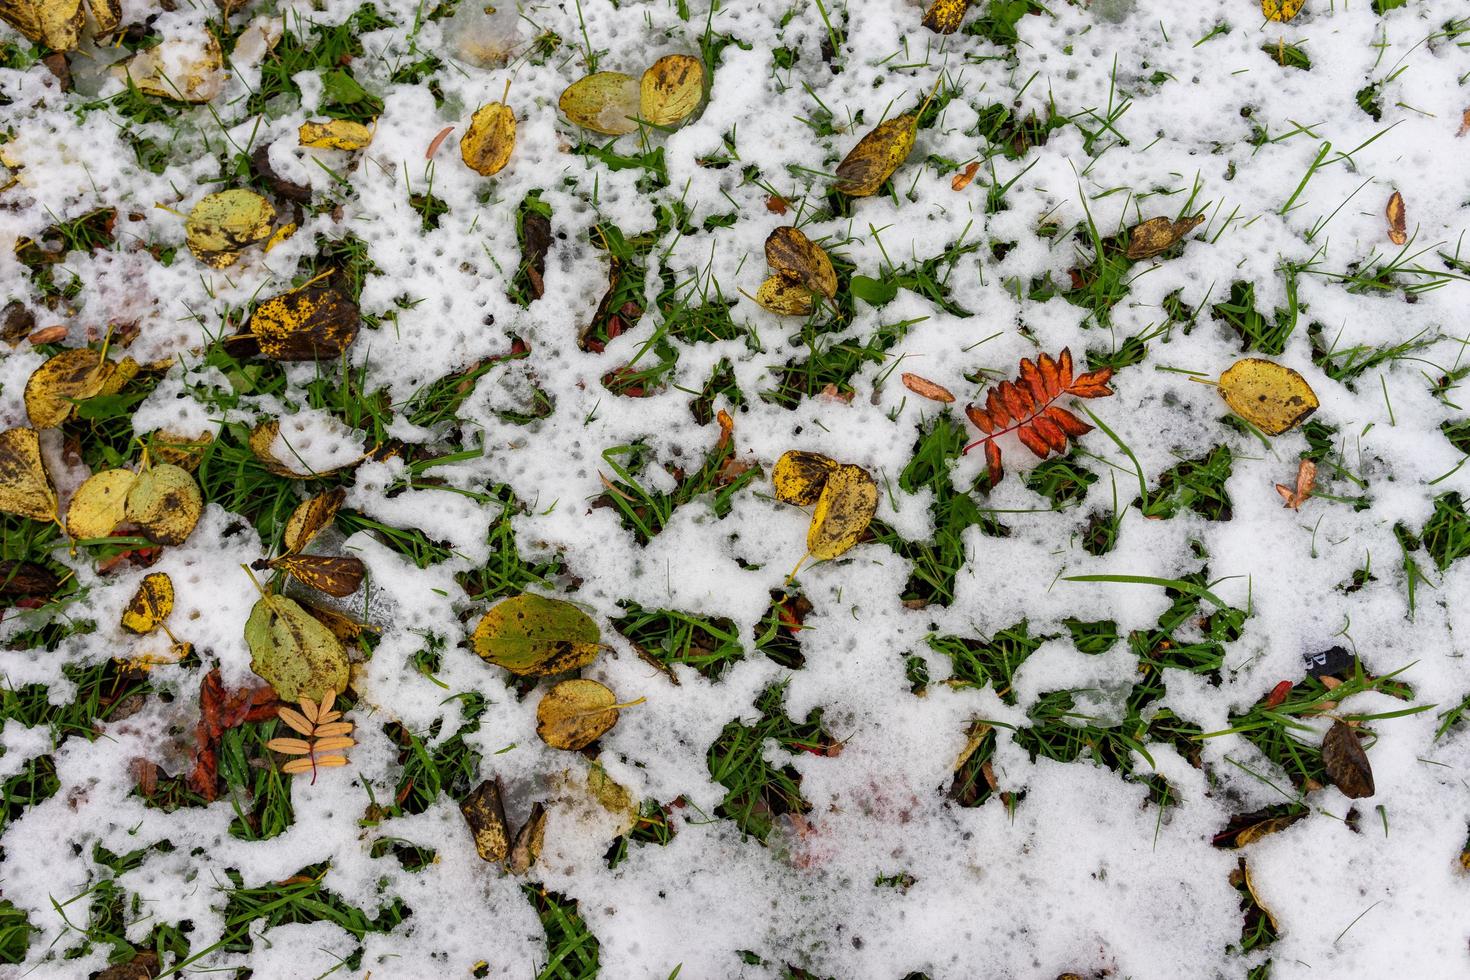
844, 511
671, 89
150, 605
876, 156
1268, 395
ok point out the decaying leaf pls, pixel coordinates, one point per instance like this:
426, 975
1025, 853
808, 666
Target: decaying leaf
310, 517
1306, 476
671, 89
185, 68
844, 510
344, 628
796, 257
789, 297
876, 156
576, 713
1270, 396
962, 179
533, 636
925, 388
335, 134
26, 579
223, 223
333, 574
99, 505
484, 812
944, 16
54, 23
487, 145
604, 102
527, 846
182, 451
315, 323
293, 651
165, 503
150, 605
799, 476
1250, 886
1281, 10
25, 488
1397, 218
1157, 235
55, 387
262, 442
1346, 762
1256, 831
220, 711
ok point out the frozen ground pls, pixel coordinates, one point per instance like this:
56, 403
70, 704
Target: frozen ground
797, 809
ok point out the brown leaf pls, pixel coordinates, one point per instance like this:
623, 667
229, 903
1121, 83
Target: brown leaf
944, 16
484, 812
777, 204
1159, 235
1397, 232
316, 323
796, 258
527, 846
925, 388
962, 179
24, 579
1347, 764
1306, 476
335, 575
1464, 124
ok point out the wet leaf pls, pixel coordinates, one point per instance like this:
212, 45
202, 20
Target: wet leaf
962, 179
1270, 396
71, 376
1272, 825
1397, 219
796, 257
310, 517
487, 145
316, 323
1159, 235
876, 156
533, 636
1281, 10
799, 476
576, 713
54, 23
165, 503
944, 16
925, 388
334, 575
612, 797
99, 505
262, 443
335, 134
223, 223
1306, 477
26, 579
186, 68
25, 488
844, 510
106, 14
1250, 886
789, 297
183, 451
671, 89
604, 102
150, 605
484, 812
343, 627
526, 849
1346, 762
293, 651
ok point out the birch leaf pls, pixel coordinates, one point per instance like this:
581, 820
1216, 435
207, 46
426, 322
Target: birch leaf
55, 387
671, 89
844, 510
25, 488
576, 713
487, 144
316, 323
797, 257
100, 504
604, 102
876, 156
1268, 395
223, 223
335, 134
164, 501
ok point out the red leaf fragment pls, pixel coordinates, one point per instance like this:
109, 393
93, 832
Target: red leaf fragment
220, 711
1278, 694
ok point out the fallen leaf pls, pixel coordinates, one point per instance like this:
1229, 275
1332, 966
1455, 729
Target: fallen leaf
316, 323
293, 651
1256, 831
1278, 694
576, 713
1268, 395
962, 179
335, 575
484, 812
799, 476
55, 387
671, 89
185, 452
223, 223
491, 138
48, 335
944, 16
25, 488
26, 579
925, 388
788, 297
1464, 123
150, 605
844, 510
1250, 886
605, 102
165, 503
310, 517
1306, 477
437, 141
335, 134
186, 68
99, 505
1159, 235
218, 712
526, 848
1396, 216
795, 257
533, 636
876, 156
1346, 762
775, 204
54, 23
1281, 10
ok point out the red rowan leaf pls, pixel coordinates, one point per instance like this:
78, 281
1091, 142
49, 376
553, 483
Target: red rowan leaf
992, 461
999, 414
1033, 442
1031, 378
1051, 432
1051, 378
977, 415
1067, 422
1064, 368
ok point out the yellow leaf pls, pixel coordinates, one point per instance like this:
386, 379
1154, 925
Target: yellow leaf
671, 89
1159, 235
295, 720
576, 713
99, 505
1281, 10
944, 16
789, 297
54, 23
165, 503
1397, 219
280, 235
289, 746
488, 143
106, 14
335, 134
844, 510
310, 517
316, 323
1270, 396
223, 223
799, 476
150, 605
71, 376
332, 744
25, 489
876, 156
604, 102
794, 256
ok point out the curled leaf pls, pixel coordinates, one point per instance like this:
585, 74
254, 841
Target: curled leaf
334, 575
165, 503
25, 488
529, 839
533, 636
876, 156
1306, 477
844, 510
1397, 219
299, 656
1268, 395
150, 605
576, 713
944, 16
335, 134
223, 223
310, 517
55, 387
487, 145
671, 89
1158, 235
962, 179
789, 297
1281, 10
799, 476
316, 323
484, 812
99, 505
604, 102
1346, 763
796, 257
925, 388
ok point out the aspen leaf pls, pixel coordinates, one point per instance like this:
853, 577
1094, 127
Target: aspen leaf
576, 713
944, 16
1158, 235
604, 102
316, 323
526, 848
99, 505
223, 223
487, 145
1268, 395
799, 476
1346, 762
484, 813
54, 388
1281, 10
789, 297
310, 517
335, 134
25, 488
533, 636
844, 510
335, 575
294, 652
1397, 219
794, 256
671, 89
165, 503
876, 156
54, 23
150, 605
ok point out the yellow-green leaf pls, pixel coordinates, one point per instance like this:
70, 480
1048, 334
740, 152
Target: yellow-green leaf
534, 636
223, 223
876, 156
844, 510
604, 102
71, 376
335, 134
294, 652
487, 145
165, 503
100, 504
1270, 396
150, 605
789, 297
671, 89
25, 488
799, 476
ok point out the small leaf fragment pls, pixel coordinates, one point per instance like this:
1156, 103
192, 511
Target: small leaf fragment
876, 156
316, 323
99, 505
25, 487
788, 297
605, 102
310, 517
484, 812
186, 68
164, 501
533, 636
223, 223
1270, 396
575, 713
1397, 218
150, 605
289, 648
1346, 763
671, 89
1281, 10
844, 510
925, 388
796, 257
487, 144
799, 476
335, 134
945, 16
1158, 235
